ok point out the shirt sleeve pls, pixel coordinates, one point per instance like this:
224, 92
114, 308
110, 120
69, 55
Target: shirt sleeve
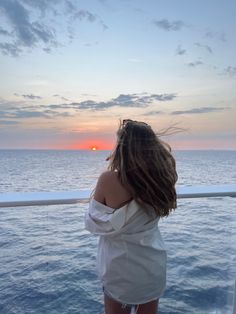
103, 220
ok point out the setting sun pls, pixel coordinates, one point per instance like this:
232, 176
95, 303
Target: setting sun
93, 144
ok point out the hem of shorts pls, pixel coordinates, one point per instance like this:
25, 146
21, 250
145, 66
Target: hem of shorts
134, 303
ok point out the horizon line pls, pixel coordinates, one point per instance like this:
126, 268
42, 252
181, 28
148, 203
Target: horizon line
94, 151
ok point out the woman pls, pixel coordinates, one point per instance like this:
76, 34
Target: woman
129, 199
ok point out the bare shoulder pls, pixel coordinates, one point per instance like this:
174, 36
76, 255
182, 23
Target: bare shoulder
105, 181
110, 191
108, 177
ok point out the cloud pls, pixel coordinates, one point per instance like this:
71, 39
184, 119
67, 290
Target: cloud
152, 113
208, 48
64, 98
31, 24
194, 64
42, 5
199, 110
25, 33
10, 49
6, 122
53, 114
88, 95
85, 15
123, 100
28, 96
21, 110
4, 32
141, 99
22, 114
29, 112
230, 71
61, 97
88, 44
72, 105
31, 96
70, 7
127, 100
216, 35
90, 17
169, 26
180, 51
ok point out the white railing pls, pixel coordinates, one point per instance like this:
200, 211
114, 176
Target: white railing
73, 197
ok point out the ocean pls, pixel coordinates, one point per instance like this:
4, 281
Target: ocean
48, 259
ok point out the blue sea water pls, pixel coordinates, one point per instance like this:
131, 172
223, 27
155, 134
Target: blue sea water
48, 260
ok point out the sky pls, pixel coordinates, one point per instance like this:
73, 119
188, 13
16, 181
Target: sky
72, 69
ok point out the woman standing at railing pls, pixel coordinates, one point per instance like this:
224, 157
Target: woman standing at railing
129, 199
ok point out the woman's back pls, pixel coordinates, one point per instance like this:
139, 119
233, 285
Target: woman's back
129, 199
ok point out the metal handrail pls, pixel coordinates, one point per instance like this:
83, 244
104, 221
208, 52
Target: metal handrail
73, 197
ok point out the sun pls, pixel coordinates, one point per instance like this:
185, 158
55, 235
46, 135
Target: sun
93, 148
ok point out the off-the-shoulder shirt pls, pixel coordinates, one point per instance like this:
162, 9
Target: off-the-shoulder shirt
131, 257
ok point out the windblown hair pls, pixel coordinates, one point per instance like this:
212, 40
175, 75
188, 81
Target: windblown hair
145, 166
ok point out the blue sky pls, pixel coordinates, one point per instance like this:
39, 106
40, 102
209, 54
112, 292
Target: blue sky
72, 69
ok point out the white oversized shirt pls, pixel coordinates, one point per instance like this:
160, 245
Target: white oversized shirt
131, 258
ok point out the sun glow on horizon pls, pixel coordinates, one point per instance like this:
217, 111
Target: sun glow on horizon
93, 144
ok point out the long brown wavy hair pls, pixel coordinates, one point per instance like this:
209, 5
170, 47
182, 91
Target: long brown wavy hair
145, 166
